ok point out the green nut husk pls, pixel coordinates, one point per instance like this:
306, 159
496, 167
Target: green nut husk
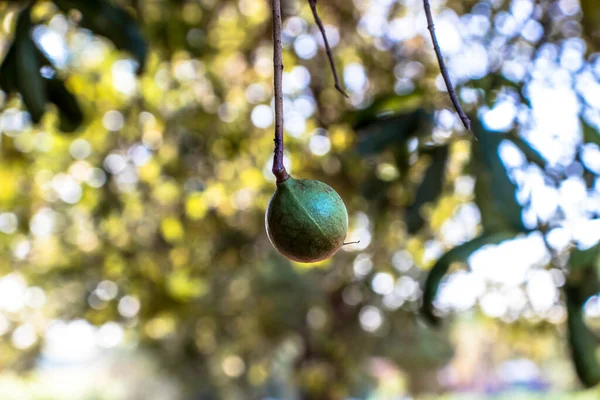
306, 220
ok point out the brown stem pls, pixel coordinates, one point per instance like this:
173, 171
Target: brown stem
278, 168
463, 117
313, 8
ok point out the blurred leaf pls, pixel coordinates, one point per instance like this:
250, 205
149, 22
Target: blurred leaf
35, 89
383, 105
69, 111
430, 188
458, 254
581, 341
590, 134
492, 219
582, 280
583, 258
30, 83
531, 154
8, 71
112, 22
383, 132
375, 190
283, 294
494, 191
585, 283
491, 84
402, 159
591, 22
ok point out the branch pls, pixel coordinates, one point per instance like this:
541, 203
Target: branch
313, 8
278, 168
463, 117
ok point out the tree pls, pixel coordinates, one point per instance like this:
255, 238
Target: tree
150, 170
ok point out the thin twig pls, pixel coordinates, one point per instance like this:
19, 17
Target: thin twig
347, 243
463, 117
278, 168
313, 8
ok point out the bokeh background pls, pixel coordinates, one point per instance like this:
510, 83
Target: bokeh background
134, 261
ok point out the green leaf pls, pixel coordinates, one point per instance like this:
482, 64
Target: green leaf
8, 71
458, 254
494, 191
590, 134
114, 23
69, 111
377, 134
429, 190
582, 341
30, 83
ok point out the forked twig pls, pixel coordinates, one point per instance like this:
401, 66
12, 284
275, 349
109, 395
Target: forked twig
313, 8
463, 117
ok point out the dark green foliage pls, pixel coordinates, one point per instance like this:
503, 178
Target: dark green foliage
494, 192
112, 22
20, 69
581, 259
581, 285
306, 220
69, 111
30, 83
582, 341
8, 71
